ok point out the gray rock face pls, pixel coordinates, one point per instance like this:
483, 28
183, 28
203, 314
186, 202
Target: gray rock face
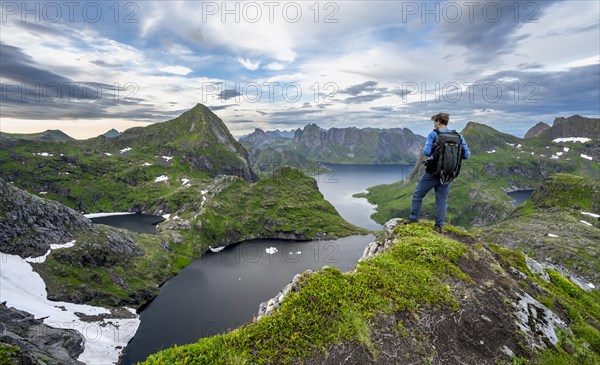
573, 126
38, 341
536, 130
372, 145
29, 224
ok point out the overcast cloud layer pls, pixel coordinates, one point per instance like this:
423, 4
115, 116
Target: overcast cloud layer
283, 65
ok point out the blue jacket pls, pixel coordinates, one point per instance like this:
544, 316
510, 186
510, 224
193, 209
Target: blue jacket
431, 139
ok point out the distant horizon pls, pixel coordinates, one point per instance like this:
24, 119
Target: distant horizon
85, 132
87, 66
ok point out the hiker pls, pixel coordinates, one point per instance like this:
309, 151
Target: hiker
445, 149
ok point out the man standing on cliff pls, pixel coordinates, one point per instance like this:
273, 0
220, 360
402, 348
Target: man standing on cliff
445, 149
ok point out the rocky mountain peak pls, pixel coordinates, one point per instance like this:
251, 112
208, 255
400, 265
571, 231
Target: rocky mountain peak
536, 130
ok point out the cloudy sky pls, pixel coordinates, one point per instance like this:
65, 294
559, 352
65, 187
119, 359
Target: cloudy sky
86, 67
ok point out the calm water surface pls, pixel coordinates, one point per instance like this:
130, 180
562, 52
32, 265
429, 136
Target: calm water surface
520, 196
141, 223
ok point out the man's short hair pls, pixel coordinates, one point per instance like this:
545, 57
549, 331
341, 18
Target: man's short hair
442, 118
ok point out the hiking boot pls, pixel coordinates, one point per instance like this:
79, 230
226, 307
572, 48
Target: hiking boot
438, 229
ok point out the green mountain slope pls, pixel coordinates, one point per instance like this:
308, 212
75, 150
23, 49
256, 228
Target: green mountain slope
51, 135
558, 229
130, 171
499, 163
423, 298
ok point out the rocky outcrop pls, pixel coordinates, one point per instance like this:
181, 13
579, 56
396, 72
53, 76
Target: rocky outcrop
496, 317
573, 126
536, 130
38, 342
268, 307
29, 224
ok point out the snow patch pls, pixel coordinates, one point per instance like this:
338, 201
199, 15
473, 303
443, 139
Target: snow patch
161, 178
216, 249
492, 151
166, 216
566, 149
587, 223
167, 158
24, 289
100, 215
44, 154
591, 214
127, 149
587, 157
571, 139
108, 154
43, 192
185, 182
42, 258
146, 164
552, 235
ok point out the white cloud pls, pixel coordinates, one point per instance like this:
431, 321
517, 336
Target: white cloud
275, 66
176, 70
248, 64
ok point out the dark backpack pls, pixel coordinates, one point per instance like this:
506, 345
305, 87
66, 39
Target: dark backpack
448, 153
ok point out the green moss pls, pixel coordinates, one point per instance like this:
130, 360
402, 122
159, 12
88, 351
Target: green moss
9, 355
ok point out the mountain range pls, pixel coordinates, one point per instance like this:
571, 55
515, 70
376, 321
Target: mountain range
312, 144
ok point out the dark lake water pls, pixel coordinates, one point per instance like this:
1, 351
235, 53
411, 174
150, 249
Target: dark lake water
520, 196
141, 223
223, 290
345, 180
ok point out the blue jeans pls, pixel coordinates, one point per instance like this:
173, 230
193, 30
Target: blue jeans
427, 183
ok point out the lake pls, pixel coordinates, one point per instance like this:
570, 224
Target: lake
223, 290
141, 223
519, 196
339, 185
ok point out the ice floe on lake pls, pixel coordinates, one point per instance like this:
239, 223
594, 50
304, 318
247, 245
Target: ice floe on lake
271, 250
